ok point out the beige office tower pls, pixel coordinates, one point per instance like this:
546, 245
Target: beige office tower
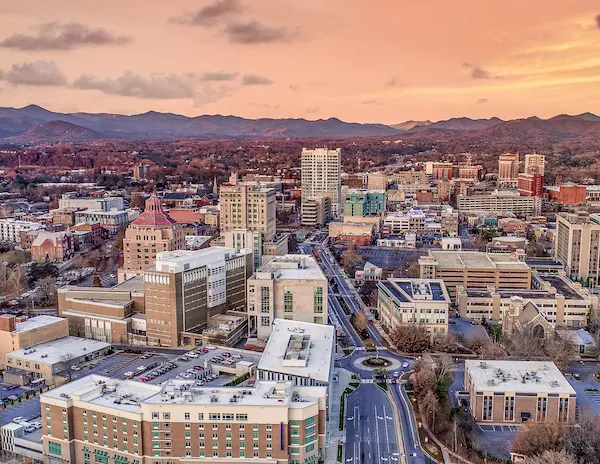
508, 167
185, 288
535, 162
316, 211
290, 287
322, 174
577, 245
97, 419
152, 232
248, 206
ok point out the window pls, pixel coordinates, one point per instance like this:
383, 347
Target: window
318, 300
288, 300
54, 448
488, 402
241, 417
186, 415
265, 321
154, 415
542, 407
200, 416
563, 409
166, 415
265, 300
214, 416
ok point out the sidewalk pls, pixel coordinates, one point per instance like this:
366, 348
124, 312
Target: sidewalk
334, 434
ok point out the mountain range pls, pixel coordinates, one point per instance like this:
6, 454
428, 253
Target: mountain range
34, 124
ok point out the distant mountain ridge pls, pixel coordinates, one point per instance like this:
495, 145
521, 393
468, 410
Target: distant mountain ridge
34, 124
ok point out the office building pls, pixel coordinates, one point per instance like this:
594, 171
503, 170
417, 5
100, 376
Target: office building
556, 299
515, 392
112, 221
531, 184
316, 210
248, 206
361, 234
499, 202
72, 200
154, 231
408, 302
577, 245
474, 269
322, 174
10, 229
508, 169
141, 171
567, 194
299, 351
99, 419
535, 163
291, 287
22, 332
52, 360
364, 202
378, 180
439, 169
185, 288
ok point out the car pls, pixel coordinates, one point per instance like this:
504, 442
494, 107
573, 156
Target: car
128, 374
75, 368
405, 365
183, 358
13, 397
225, 354
140, 368
29, 428
198, 368
576, 376
192, 355
146, 356
396, 374
210, 347
37, 424
203, 350
237, 356
18, 419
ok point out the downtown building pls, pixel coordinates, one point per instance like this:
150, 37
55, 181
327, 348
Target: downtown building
508, 169
153, 232
498, 202
98, 419
322, 174
577, 245
290, 287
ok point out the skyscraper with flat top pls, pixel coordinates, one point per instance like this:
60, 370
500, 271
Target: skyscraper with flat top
322, 174
508, 168
536, 163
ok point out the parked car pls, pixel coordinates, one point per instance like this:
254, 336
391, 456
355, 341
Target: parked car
75, 368
237, 356
210, 347
191, 354
18, 420
13, 397
128, 374
140, 368
225, 354
405, 365
29, 428
199, 368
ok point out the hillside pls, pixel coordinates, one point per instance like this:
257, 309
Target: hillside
56, 131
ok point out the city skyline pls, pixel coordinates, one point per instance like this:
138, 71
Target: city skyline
376, 62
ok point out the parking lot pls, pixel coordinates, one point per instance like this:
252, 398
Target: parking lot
391, 258
28, 409
588, 391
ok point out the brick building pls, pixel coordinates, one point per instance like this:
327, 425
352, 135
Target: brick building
52, 246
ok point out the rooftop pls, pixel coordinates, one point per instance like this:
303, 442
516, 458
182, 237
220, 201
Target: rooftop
299, 348
517, 376
413, 290
135, 285
563, 285
290, 267
154, 215
477, 260
54, 351
36, 322
183, 260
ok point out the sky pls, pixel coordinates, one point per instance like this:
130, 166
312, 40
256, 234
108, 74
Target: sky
358, 60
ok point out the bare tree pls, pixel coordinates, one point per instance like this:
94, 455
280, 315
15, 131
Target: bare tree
523, 343
535, 438
444, 368
47, 287
351, 258
68, 363
560, 350
411, 339
429, 406
551, 457
492, 350
583, 440
17, 281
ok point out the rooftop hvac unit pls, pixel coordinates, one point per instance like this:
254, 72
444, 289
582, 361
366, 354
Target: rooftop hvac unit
491, 382
483, 365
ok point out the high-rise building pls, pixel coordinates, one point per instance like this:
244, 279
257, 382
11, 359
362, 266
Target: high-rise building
321, 174
439, 169
141, 171
316, 210
508, 168
248, 206
185, 288
291, 287
154, 231
97, 419
531, 184
536, 162
577, 245
364, 202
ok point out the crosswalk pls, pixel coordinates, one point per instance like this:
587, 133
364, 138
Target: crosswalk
363, 348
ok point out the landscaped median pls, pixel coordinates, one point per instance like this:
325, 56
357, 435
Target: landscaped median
353, 386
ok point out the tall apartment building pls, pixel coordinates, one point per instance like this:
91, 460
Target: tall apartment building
290, 287
10, 229
316, 210
154, 231
185, 288
514, 392
98, 419
508, 168
408, 302
248, 206
536, 163
322, 174
577, 245
531, 184
364, 202
141, 171
500, 202
474, 269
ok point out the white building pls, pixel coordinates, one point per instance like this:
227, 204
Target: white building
69, 200
322, 174
290, 287
10, 229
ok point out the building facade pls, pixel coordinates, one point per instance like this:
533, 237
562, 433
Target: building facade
322, 174
364, 202
535, 163
52, 246
418, 302
508, 168
97, 419
10, 229
290, 287
316, 210
500, 202
515, 392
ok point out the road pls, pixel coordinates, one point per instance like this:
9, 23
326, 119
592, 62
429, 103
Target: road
370, 431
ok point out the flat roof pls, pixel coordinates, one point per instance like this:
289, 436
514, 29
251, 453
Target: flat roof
54, 351
291, 267
183, 260
477, 260
314, 357
134, 285
130, 395
36, 322
517, 376
416, 290
562, 286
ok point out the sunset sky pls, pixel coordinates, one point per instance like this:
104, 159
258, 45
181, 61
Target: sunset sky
358, 60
